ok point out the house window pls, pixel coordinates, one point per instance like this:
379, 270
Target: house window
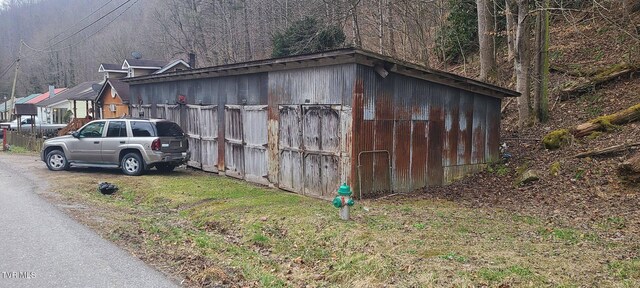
58, 115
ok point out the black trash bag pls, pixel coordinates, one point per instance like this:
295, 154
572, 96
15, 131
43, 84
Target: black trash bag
107, 188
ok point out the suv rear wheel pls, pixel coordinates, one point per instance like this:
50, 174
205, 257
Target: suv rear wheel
57, 161
132, 164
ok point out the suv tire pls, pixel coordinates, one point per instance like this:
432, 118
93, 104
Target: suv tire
165, 168
57, 161
132, 164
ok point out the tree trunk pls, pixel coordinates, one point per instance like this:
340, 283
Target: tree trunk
608, 122
380, 27
630, 169
485, 37
511, 27
522, 62
541, 94
588, 84
357, 41
247, 46
391, 34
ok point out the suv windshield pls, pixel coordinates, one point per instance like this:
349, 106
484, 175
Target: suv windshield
168, 129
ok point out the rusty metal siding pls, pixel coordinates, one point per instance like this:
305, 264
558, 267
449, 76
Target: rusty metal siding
492, 143
435, 136
479, 130
465, 135
452, 127
434, 133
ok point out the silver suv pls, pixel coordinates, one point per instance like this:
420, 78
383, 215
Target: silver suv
134, 145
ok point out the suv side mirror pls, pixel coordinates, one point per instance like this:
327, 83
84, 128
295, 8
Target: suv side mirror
75, 134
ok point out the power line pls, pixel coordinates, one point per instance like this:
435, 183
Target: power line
48, 49
74, 24
90, 24
84, 39
8, 68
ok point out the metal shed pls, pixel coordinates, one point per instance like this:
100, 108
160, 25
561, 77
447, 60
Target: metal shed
308, 123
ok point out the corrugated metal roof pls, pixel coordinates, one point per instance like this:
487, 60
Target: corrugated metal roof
80, 92
45, 96
25, 99
113, 67
145, 63
341, 56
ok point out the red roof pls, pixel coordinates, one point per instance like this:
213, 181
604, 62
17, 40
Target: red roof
45, 96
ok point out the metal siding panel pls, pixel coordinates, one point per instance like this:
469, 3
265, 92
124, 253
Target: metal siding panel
419, 152
479, 130
435, 138
492, 143
402, 156
452, 127
465, 135
403, 92
316, 85
382, 162
420, 109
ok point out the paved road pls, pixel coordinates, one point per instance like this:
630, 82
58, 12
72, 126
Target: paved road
42, 247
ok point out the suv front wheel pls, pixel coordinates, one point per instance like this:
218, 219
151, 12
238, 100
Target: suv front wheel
57, 161
132, 164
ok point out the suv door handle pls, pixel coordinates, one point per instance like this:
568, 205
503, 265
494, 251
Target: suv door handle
122, 142
96, 142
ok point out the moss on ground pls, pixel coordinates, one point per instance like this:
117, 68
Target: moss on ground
557, 139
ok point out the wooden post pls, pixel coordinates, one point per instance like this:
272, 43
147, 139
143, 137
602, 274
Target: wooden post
75, 111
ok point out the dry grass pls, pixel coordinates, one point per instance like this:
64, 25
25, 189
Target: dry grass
212, 230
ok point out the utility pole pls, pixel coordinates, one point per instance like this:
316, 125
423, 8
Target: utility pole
15, 78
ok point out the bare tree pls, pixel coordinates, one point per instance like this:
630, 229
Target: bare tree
486, 34
522, 62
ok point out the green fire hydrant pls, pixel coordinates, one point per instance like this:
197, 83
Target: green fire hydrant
344, 201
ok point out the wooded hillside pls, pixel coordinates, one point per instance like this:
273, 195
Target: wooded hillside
64, 40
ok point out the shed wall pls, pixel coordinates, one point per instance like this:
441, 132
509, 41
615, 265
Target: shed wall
410, 133
318, 97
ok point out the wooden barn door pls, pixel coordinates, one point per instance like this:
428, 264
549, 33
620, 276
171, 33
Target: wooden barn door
321, 143
290, 146
209, 138
254, 124
161, 111
193, 131
234, 150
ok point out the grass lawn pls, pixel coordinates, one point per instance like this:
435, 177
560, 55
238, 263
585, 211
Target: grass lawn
211, 230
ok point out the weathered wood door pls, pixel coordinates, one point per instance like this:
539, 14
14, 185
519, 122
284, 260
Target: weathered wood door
233, 141
256, 160
194, 124
321, 144
161, 111
209, 138
290, 146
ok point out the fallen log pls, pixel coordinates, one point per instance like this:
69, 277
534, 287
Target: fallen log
630, 169
607, 122
608, 150
589, 83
